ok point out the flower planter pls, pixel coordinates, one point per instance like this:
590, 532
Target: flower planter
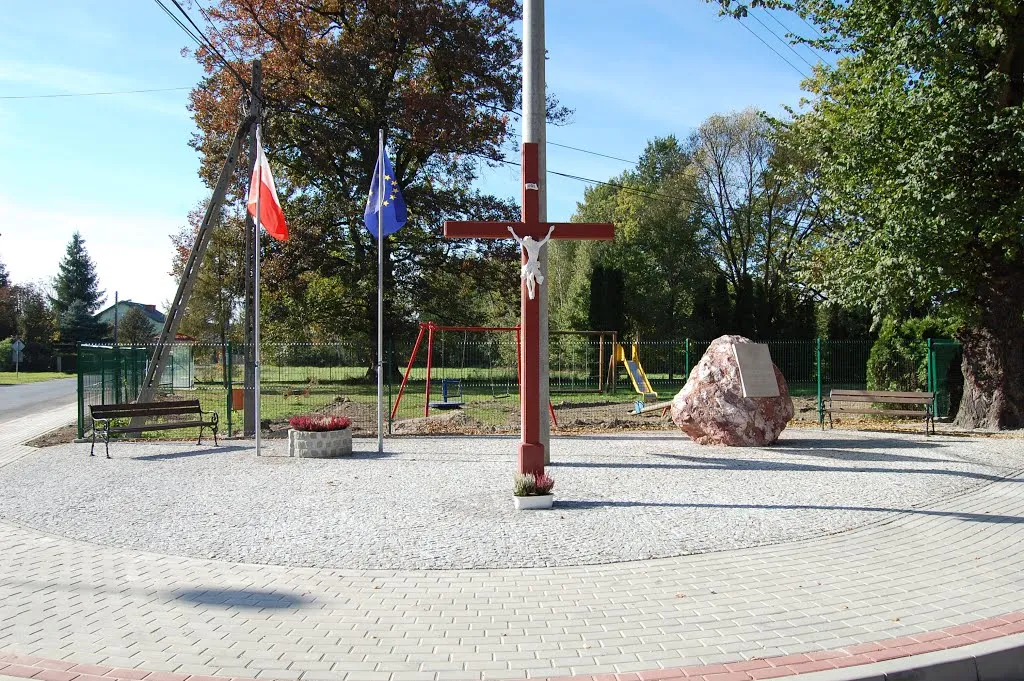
328, 444
534, 502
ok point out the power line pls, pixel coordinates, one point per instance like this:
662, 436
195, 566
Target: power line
779, 54
819, 55
209, 20
199, 39
782, 40
95, 94
210, 45
593, 153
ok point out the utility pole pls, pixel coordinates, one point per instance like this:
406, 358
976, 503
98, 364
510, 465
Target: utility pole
249, 424
534, 122
195, 256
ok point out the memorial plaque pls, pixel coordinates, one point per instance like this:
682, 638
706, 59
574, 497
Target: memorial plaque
757, 375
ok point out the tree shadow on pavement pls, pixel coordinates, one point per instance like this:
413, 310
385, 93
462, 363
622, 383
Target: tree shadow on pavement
571, 504
188, 452
255, 599
683, 462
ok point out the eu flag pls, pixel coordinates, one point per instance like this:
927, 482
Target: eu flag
387, 197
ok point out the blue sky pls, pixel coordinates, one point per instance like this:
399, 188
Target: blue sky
119, 169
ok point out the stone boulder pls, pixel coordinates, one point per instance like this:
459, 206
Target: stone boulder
712, 410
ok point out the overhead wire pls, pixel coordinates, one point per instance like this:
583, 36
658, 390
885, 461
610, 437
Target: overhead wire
200, 39
774, 18
96, 94
780, 39
779, 54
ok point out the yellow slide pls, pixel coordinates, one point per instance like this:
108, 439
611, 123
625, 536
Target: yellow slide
636, 373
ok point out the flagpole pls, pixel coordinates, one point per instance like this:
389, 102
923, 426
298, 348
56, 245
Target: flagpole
380, 293
256, 285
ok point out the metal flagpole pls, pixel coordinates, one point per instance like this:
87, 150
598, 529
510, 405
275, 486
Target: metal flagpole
256, 284
380, 293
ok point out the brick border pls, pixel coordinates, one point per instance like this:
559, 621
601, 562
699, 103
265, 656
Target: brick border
30, 667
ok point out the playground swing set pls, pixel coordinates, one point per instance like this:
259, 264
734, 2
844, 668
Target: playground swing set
453, 397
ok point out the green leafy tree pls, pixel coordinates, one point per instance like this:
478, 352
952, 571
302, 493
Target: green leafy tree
76, 279
916, 136
440, 77
135, 328
659, 248
758, 211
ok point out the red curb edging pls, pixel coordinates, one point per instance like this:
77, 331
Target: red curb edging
31, 667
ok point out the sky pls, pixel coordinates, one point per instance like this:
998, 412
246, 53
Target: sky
118, 168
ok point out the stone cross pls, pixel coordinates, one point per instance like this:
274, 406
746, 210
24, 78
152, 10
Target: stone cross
531, 450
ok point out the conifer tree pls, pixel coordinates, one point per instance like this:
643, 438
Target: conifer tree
77, 279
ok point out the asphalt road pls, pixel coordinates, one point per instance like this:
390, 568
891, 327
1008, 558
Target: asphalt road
28, 398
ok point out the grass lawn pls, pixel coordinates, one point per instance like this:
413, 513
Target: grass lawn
11, 378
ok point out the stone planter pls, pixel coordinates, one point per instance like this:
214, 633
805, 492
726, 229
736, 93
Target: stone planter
535, 502
319, 445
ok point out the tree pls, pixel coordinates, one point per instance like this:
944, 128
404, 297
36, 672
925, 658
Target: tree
77, 279
135, 328
218, 290
36, 325
916, 134
756, 209
77, 324
440, 77
659, 248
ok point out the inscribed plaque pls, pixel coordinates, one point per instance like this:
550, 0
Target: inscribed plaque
757, 375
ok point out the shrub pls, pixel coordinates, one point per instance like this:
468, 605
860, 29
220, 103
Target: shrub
319, 424
899, 358
529, 485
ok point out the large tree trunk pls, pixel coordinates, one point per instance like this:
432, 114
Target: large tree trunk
993, 368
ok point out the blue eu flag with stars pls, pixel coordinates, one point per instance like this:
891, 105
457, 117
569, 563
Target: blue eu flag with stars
386, 196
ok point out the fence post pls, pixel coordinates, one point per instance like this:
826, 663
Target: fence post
687, 359
117, 374
931, 378
821, 409
81, 393
391, 361
229, 369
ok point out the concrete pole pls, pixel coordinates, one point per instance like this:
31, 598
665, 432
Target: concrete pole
534, 122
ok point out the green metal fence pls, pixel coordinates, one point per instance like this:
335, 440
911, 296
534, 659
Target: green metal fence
473, 379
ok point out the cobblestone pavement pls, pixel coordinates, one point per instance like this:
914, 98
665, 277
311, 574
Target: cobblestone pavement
445, 503
942, 564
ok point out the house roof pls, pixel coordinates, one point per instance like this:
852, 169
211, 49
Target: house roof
123, 306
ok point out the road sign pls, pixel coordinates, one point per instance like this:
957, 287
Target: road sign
16, 347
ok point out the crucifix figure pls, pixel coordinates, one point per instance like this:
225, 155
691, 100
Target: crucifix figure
530, 233
530, 272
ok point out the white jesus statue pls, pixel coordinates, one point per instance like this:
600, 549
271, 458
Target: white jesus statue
531, 268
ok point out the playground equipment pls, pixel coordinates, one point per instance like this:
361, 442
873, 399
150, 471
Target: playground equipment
430, 329
636, 375
605, 375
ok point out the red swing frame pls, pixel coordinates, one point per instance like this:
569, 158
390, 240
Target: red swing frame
429, 328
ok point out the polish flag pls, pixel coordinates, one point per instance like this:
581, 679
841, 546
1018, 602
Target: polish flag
262, 192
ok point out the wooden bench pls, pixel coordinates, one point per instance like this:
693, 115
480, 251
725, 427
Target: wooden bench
105, 413
896, 404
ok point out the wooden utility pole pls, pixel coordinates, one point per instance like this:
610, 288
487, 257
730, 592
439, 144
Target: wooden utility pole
249, 424
195, 257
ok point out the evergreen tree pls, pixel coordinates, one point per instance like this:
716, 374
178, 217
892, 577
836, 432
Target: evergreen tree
77, 279
76, 324
134, 328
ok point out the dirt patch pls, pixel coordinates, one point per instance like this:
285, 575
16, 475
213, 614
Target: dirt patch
451, 423
59, 436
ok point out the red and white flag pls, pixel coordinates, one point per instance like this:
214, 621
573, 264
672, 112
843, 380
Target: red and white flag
263, 191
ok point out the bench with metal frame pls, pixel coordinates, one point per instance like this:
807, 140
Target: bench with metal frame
896, 404
103, 414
